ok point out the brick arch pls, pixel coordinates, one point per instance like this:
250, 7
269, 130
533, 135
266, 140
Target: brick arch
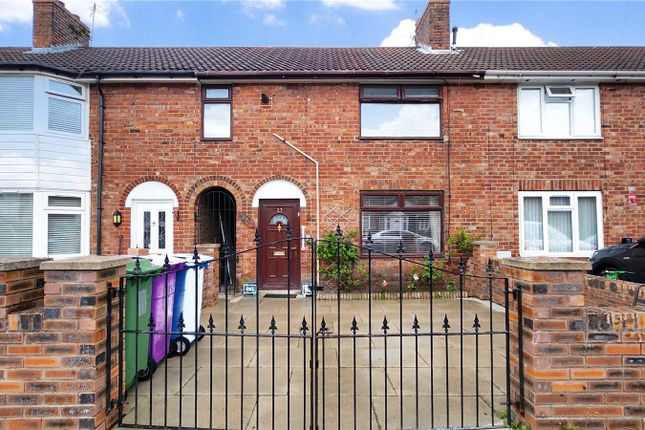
141, 180
283, 178
241, 199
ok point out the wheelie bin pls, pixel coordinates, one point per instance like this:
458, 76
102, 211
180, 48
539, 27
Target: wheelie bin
189, 294
163, 296
137, 318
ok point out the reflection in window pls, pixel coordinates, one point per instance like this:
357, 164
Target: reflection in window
146, 229
279, 219
162, 229
415, 222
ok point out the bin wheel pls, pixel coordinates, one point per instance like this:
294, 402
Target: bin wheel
145, 374
179, 346
202, 331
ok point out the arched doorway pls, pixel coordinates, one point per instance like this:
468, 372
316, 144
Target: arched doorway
215, 216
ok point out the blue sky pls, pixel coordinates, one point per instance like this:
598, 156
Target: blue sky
336, 22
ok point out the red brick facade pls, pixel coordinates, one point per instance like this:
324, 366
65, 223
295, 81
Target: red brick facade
152, 132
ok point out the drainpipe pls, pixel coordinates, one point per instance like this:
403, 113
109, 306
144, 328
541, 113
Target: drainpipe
99, 180
310, 158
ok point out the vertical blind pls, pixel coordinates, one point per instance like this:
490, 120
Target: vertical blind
16, 103
63, 234
16, 223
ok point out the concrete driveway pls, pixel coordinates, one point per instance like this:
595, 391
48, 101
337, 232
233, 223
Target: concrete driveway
434, 372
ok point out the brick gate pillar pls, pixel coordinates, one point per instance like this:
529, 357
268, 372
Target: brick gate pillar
53, 353
574, 375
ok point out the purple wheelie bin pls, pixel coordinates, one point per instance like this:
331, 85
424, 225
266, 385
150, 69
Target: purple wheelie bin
162, 306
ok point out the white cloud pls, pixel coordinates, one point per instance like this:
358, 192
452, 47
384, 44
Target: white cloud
180, 15
15, 11
401, 35
363, 4
499, 35
263, 4
482, 35
271, 19
325, 19
107, 11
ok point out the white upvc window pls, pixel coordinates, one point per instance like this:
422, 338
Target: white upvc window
43, 104
44, 224
558, 111
560, 223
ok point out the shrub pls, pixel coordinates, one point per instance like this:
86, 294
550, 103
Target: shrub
351, 273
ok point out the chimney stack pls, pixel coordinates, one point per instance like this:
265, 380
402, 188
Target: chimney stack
433, 28
55, 26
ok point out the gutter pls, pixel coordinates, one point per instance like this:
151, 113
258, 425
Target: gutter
595, 75
99, 179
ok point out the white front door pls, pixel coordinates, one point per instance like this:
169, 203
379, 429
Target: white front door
152, 227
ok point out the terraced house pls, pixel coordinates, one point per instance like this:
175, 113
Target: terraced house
538, 149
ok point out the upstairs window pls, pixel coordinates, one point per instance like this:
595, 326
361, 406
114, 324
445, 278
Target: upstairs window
410, 217
560, 223
64, 107
558, 112
216, 112
16, 103
400, 111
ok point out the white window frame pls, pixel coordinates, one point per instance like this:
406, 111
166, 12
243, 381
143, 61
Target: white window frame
573, 208
41, 225
547, 97
40, 113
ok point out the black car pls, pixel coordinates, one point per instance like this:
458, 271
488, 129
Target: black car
626, 257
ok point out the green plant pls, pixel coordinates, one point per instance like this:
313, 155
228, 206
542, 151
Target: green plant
569, 428
438, 296
438, 275
451, 285
333, 250
462, 241
513, 425
415, 278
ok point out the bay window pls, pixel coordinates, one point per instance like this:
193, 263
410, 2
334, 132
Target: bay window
400, 111
16, 224
44, 224
558, 111
560, 223
410, 217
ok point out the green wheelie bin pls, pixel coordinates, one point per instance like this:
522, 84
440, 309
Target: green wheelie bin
138, 299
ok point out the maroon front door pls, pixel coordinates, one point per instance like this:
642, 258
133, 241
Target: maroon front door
275, 265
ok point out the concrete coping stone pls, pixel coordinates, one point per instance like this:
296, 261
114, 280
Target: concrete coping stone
551, 264
489, 243
88, 262
8, 264
208, 245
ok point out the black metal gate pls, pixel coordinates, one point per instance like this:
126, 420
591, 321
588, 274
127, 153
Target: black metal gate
389, 356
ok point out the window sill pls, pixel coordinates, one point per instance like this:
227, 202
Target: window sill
216, 140
416, 255
599, 138
438, 139
578, 254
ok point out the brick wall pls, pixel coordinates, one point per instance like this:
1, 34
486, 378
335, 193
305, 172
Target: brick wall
584, 365
152, 132
55, 26
21, 286
433, 28
53, 357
